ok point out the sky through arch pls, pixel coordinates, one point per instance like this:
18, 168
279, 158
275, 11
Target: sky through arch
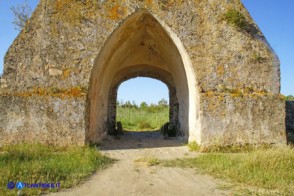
142, 89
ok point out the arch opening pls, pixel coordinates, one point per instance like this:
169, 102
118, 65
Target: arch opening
142, 105
144, 71
142, 46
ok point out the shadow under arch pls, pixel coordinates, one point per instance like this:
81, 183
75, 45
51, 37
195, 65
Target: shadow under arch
142, 45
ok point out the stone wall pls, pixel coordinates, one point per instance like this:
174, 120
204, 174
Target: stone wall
290, 120
62, 42
242, 119
45, 120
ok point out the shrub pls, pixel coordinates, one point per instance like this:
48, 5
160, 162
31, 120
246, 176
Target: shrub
258, 58
236, 19
193, 146
289, 98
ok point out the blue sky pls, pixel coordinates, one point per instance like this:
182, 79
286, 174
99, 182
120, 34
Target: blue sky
274, 17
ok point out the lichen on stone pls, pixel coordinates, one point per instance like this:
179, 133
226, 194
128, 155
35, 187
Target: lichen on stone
74, 92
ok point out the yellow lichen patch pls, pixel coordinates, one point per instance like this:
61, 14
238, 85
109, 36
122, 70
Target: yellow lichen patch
73, 11
117, 12
66, 73
68, 10
221, 97
246, 91
209, 93
74, 92
60, 4
220, 70
236, 92
236, 95
148, 2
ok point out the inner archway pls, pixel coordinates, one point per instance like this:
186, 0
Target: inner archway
151, 73
142, 105
142, 46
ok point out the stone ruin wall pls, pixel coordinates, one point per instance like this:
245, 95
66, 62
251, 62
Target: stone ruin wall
53, 56
290, 120
58, 48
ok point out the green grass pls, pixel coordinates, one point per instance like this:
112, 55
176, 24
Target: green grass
193, 146
140, 119
36, 163
271, 169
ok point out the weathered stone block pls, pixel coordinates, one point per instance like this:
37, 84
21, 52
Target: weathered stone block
55, 72
45, 120
242, 119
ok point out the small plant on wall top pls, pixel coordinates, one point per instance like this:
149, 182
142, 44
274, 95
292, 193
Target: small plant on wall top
258, 58
236, 19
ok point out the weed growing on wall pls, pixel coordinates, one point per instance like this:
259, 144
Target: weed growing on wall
236, 19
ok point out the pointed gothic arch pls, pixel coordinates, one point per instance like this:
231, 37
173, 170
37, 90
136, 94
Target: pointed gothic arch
142, 46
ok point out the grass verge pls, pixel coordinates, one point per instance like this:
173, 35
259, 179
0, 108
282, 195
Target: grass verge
270, 169
133, 119
194, 146
36, 163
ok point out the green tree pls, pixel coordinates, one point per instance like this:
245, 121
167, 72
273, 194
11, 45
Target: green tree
290, 98
127, 104
143, 105
162, 103
134, 105
21, 13
153, 108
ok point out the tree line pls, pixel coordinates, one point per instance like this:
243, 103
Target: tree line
290, 98
161, 105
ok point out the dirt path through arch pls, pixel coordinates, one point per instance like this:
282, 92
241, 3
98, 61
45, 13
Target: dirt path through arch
128, 176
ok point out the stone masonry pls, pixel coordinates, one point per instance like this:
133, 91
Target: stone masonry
290, 120
62, 72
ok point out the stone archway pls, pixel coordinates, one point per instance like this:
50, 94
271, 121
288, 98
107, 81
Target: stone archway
143, 71
142, 46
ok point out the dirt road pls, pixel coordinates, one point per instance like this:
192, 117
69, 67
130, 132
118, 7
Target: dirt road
128, 176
